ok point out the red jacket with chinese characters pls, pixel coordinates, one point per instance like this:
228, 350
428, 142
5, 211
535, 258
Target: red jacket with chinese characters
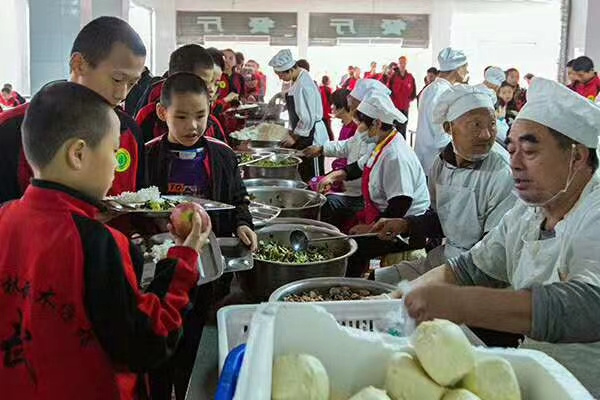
74, 322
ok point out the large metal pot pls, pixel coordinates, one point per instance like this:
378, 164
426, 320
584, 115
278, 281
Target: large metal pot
267, 276
298, 203
324, 284
303, 221
252, 171
281, 183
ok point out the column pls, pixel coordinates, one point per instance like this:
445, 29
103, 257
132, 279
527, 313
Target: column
302, 31
592, 33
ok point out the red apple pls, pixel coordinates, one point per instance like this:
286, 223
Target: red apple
181, 218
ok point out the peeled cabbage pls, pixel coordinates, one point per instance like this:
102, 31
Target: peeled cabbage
370, 393
460, 394
299, 377
493, 378
444, 351
406, 380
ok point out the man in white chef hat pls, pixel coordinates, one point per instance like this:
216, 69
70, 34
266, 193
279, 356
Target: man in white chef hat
430, 137
493, 78
470, 184
354, 149
538, 272
305, 110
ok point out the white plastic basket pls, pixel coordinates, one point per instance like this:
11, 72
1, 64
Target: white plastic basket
234, 321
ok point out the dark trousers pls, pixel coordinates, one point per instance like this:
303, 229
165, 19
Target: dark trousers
369, 248
176, 371
340, 209
402, 127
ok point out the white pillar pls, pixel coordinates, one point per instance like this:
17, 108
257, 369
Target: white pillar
440, 27
302, 32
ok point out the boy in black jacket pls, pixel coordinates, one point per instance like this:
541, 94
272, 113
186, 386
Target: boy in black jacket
185, 161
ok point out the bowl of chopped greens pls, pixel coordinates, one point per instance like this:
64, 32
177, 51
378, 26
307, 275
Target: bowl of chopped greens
275, 166
276, 263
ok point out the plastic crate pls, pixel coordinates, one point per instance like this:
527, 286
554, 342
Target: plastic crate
234, 321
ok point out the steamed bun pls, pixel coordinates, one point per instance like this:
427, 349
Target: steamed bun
370, 393
460, 394
493, 378
405, 379
444, 351
299, 377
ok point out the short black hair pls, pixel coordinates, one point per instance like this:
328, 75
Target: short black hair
325, 79
189, 58
508, 71
339, 98
7, 85
60, 112
96, 40
217, 56
583, 64
506, 84
570, 63
433, 70
239, 58
6, 90
181, 83
302, 63
565, 143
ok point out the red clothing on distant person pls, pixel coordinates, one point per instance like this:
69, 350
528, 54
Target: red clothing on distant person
404, 90
369, 75
326, 103
590, 89
350, 83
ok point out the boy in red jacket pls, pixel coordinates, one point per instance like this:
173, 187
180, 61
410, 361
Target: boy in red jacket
74, 322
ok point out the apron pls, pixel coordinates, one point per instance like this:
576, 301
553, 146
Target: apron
309, 168
371, 213
457, 210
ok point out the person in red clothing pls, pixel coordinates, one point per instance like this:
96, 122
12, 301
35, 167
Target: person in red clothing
233, 78
262, 80
520, 95
189, 58
588, 83
108, 57
404, 90
571, 75
75, 323
372, 73
325, 90
185, 161
351, 82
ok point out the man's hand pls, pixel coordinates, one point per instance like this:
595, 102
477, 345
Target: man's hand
389, 228
289, 141
360, 229
248, 237
198, 237
231, 96
425, 303
313, 151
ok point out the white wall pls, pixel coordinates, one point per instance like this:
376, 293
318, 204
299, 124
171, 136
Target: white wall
15, 28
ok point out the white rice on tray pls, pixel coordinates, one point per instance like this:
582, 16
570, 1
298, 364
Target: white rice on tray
141, 196
159, 251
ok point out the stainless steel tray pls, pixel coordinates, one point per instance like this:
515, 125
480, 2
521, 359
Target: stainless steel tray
210, 265
236, 256
138, 208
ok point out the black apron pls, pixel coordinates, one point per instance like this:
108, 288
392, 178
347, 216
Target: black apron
308, 169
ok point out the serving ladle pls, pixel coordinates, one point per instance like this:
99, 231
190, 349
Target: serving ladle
299, 241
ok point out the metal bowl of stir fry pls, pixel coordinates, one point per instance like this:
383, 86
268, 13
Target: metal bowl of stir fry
294, 203
276, 166
330, 289
276, 264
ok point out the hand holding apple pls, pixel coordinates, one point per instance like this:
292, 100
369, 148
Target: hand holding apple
190, 225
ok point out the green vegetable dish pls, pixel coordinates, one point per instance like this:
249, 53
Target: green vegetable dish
161, 205
246, 158
288, 162
269, 250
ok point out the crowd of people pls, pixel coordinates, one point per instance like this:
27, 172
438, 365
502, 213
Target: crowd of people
491, 216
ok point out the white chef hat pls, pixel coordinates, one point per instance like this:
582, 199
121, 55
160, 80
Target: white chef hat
556, 106
380, 106
365, 86
460, 99
495, 76
451, 59
282, 61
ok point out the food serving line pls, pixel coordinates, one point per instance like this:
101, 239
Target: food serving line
252, 336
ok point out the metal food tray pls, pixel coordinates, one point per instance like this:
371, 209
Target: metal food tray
137, 208
210, 264
236, 255
263, 213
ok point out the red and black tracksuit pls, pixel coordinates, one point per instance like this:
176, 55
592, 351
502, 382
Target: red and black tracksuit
404, 90
16, 174
589, 89
221, 172
326, 103
233, 83
74, 322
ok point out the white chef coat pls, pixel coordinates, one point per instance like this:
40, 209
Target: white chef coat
430, 137
398, 172
353, 150
471, 201
309, 108
512, 252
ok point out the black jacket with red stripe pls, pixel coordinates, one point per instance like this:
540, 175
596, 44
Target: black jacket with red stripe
15, 172
74, 322
224, 177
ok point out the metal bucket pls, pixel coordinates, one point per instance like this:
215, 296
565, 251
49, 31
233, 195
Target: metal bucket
280, 183
324, 284
290, 172
295, 203
267, 276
